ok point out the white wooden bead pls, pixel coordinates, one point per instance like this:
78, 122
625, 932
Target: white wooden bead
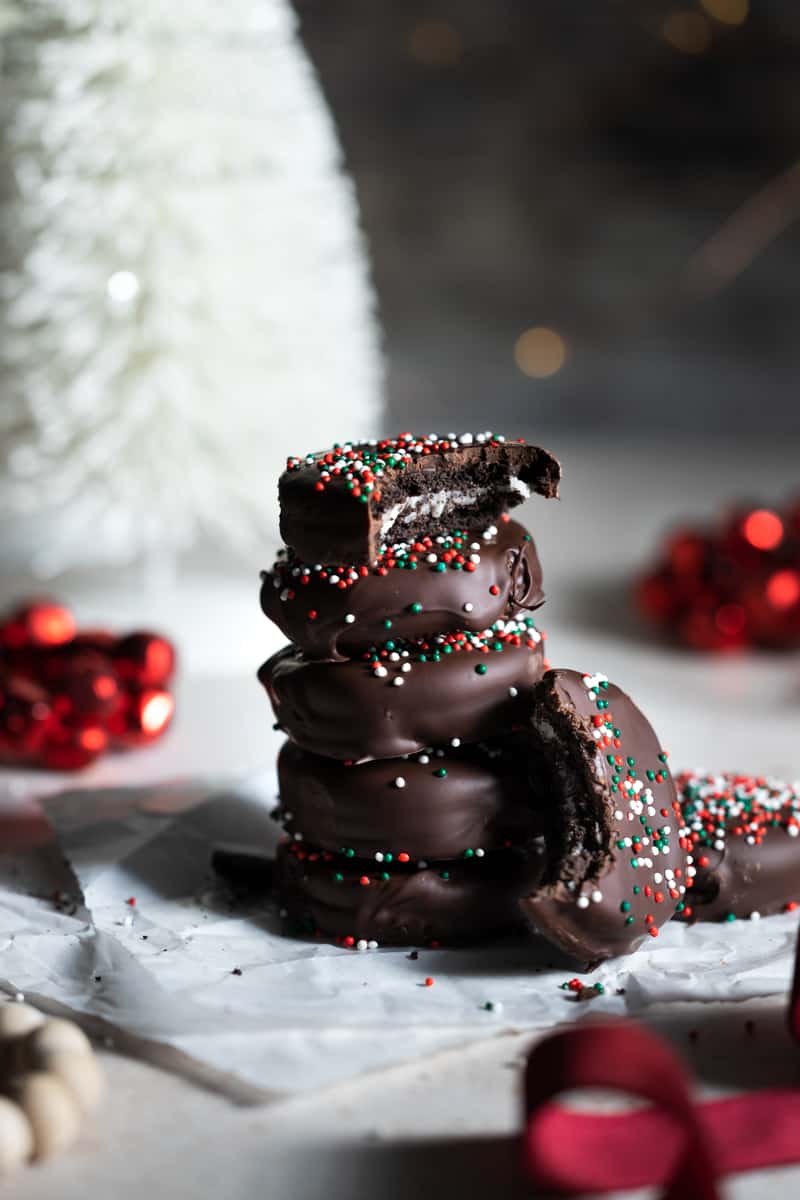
80, 1073
18, 1019
16, 1137
57, 1035
53, 1115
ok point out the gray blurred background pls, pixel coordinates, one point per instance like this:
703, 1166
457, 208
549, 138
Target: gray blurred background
580, 215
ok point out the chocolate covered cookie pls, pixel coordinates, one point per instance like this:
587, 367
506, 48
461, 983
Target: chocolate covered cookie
617, 858
743, 833
360, 902
400, 697
457, 803
459, 580
342, 505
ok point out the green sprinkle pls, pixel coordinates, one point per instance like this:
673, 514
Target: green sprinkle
629, 920
416, 607
387, 623
599, 988
385, 875
469, 853
388, 857
730, 917
625, 906
444, 875
349, 852
440, 566
636, 889
481, 669
441, 773
338, 876
631, 762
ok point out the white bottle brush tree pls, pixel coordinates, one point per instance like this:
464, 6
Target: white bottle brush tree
183, 288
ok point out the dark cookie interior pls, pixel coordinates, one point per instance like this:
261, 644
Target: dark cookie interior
616, 864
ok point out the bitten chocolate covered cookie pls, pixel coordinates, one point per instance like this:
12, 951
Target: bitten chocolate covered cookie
743, 833
342, 505
359, 902
403, 696
617, 856
457, 803
459, 580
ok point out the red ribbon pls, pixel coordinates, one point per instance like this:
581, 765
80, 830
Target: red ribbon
673, 1143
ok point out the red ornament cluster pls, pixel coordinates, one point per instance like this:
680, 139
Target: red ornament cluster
731, 587
68, 696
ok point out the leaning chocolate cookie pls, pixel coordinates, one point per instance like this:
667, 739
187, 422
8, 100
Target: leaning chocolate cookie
744, 838
617, 855
459, 580
342, 505
400, 697
358, 903
461, 802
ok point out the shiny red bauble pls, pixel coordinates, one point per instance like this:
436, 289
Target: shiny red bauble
67, 696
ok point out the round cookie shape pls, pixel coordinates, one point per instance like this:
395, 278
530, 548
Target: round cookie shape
458, 803
356, 902
460, 580
744, 833
403, 696
617, 855
343, 504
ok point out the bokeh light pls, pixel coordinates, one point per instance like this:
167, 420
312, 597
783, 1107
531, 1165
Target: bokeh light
727, 12
763, 529
689, 32
783, 589
540, 352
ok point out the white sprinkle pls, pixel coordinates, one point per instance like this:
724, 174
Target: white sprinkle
479, 853
399, 782
475, 558
406, 667
361, 944
381, 671
424, 759
371, 945
597, 896
349, 619
298, 837
398, 681
657, 878
465, 439
455, 742
19, 997
284, 594
512, 691
378, 857
432, 558
333, 579
394, 656
755, 916
582, 902
468, 607
422, 864
128, 921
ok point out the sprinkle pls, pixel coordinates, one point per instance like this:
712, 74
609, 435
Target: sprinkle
349, 619
513, 692
494, 1006
399, 782
428, 981
481, 669
398, 681
468, 607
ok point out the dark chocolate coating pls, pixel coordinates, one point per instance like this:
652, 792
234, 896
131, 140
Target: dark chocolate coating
508, 563
412, 907
594, 806
466, 799
345, 711
741, 878
328, 523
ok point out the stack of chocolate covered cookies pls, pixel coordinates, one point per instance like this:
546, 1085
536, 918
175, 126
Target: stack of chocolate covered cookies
408, 594
439, 784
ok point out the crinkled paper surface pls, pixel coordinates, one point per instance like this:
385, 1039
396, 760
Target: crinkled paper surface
300, 1015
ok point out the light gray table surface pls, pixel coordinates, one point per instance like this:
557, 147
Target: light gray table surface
445, 1126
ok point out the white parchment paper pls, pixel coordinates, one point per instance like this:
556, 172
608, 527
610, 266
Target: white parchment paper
213, 984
